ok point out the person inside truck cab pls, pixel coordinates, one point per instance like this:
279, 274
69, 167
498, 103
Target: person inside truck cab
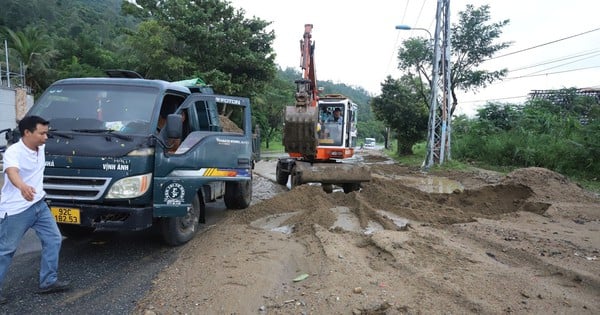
166, 110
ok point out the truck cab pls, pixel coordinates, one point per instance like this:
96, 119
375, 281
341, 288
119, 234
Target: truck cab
130, 153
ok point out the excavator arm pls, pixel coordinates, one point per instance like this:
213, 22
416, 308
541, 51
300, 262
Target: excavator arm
301, 119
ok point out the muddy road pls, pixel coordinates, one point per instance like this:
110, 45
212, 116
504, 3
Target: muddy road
109, 271
408, 242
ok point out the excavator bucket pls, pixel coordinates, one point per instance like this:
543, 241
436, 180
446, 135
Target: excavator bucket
300, 130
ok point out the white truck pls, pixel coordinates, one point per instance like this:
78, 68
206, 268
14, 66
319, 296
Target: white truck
369, 142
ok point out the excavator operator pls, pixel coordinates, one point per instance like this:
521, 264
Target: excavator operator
337, 116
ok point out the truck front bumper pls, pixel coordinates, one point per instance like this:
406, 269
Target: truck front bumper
110, 217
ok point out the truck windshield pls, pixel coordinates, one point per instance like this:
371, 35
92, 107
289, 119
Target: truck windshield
127, 109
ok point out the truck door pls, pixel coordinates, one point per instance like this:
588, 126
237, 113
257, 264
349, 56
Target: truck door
216, 149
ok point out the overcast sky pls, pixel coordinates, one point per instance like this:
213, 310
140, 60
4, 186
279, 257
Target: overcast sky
356, 42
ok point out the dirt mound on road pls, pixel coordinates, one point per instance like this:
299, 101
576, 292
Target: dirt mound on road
526, 243
548, 185
396, 197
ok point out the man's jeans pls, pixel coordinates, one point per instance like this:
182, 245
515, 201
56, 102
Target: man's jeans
12, 229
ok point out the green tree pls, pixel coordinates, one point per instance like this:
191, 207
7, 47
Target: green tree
33, 48
401, 107
150, 52
473, 41
269, 108
213, 40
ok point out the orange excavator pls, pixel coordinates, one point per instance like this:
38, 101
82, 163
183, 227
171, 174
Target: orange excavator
319, 133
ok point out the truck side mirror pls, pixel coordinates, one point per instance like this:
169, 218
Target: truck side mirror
174, 126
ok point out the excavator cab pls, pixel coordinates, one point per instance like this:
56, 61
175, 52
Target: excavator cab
337, 127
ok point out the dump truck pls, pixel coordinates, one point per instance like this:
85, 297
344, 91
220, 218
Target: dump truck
127, 153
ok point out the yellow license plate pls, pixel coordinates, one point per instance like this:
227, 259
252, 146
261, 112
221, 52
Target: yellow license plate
66, 215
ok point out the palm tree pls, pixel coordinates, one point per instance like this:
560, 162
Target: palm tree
32, 46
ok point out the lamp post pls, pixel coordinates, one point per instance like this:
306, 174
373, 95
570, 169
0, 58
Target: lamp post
438, 137
433, 101
409, 28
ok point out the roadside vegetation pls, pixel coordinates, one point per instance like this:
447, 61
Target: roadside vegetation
73, 38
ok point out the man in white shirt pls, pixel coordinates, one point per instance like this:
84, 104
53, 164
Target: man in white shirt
22, 205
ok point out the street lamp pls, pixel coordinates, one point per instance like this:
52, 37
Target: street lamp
408, 28
432, 124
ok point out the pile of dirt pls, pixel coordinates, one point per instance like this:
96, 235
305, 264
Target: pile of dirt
228, 125
310, 202
548, 185
483, 249
387, 194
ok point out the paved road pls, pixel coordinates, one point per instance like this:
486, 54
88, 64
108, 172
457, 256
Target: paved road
109, 271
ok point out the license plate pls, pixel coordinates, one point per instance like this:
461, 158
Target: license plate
66, 215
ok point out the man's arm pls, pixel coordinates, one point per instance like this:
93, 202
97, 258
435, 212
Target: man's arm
27, 191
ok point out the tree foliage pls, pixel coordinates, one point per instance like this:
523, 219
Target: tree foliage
473, 40
207, 38
559, 136
33, 48
270, 106
401, 107
169, 40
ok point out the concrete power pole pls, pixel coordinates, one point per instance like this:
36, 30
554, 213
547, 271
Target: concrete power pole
438, 136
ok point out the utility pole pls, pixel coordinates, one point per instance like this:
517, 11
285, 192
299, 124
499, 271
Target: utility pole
7, 67
438, 136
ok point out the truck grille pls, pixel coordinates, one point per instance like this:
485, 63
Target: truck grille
80, 188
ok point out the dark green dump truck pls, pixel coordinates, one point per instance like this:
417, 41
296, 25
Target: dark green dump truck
111, 164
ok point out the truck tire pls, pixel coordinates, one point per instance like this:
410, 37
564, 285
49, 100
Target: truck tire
75, 231
179, 230
238, 195
281, 175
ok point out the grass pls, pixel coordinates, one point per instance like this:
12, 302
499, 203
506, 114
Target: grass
420, 152
274, 147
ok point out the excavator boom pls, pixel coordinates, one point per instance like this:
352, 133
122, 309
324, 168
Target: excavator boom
301, 119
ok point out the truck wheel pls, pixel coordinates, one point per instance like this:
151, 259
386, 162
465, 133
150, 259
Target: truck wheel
238, 195
179, 230
281, 175
75, 231
350, 187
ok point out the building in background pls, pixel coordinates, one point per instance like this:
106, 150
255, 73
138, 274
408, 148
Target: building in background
15, 96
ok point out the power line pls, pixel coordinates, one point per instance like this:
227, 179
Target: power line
544, 44
549, 73
420, 11
522, 96
564, 64
393, 50
595, 51
493, 99
405, 10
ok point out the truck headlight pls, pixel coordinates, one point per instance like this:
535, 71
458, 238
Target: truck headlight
130, 187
